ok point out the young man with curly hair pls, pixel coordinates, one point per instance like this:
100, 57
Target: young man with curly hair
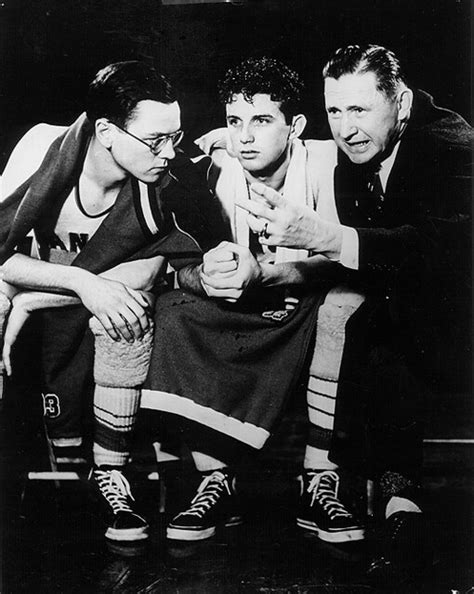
248, 331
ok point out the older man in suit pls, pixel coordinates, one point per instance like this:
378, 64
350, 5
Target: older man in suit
402, 186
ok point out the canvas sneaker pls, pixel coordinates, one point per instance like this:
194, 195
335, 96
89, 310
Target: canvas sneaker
124, 523
321, 510
215, 504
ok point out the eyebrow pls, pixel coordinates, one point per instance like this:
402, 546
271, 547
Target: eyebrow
257, 115
157, 135
348, 107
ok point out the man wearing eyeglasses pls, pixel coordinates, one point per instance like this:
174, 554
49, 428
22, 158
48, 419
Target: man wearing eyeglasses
91, 212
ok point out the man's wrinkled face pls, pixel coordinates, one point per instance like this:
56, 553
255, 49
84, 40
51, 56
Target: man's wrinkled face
150, 121
259, 134
364, 123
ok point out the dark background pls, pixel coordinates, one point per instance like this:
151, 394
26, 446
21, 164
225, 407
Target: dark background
50, 49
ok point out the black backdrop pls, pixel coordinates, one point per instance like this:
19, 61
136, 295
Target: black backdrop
50, 49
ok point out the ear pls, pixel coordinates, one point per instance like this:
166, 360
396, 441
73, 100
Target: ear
103, 132
405, 101
298, 124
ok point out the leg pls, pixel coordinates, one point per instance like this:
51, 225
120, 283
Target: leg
215, 503
320, 508
67, 386
119, 369
405, 539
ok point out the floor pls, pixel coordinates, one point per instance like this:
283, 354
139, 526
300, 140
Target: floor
53, 538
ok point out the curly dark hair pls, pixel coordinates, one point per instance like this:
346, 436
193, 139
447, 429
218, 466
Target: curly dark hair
266, 76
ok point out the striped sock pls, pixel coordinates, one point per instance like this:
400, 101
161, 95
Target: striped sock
115, 411
321, 398
338, 307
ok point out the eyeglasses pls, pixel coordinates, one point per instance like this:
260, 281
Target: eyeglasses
157, 145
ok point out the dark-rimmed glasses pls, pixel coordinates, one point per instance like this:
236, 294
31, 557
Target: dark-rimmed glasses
157, 145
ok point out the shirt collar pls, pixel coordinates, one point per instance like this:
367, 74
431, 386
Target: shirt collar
386, 166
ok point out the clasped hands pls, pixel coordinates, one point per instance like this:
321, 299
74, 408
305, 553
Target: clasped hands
228, 270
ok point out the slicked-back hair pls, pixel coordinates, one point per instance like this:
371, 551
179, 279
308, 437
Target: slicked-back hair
265, 76
118, 88
356, 59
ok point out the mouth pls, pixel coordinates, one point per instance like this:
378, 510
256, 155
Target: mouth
357, 146
160, 167
248, 154
157, 172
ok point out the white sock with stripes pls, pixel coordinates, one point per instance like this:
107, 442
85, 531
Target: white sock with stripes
115, 411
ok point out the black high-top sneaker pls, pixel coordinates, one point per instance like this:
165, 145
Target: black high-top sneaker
124, 523
215, 504
321, 511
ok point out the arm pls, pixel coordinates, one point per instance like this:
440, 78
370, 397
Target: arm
229, 270
313, 271
122, 311
137, 274
140, 274
214, 143
189, 279
22, 306
378, 253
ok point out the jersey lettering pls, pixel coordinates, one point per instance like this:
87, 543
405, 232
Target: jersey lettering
77, 241
51, 407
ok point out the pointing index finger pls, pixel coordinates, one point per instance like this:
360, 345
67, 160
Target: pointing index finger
271, 196
255, 208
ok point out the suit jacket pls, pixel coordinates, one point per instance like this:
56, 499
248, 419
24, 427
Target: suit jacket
414, 267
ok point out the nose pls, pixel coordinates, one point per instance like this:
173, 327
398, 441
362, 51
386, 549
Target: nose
347, 126
246, 134
168, 151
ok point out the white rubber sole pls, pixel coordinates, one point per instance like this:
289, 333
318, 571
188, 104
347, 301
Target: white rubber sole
130, 535
350, 535
190, 535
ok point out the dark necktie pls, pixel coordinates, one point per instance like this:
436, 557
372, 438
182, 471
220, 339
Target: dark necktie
376, 191
370, 203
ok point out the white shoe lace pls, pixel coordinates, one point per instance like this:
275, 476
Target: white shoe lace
115, 488
208, 493
324, 487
